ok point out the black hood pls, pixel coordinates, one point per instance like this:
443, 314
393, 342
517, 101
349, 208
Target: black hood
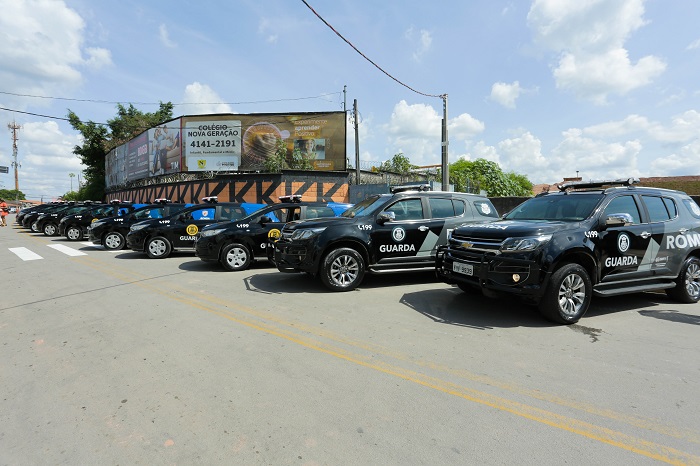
503, 229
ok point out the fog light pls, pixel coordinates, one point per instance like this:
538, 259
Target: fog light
516, 277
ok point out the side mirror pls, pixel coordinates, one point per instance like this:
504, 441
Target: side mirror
387, 216
618, 220
265, 219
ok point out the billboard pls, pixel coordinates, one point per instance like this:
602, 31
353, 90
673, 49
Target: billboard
228, 142
245, 142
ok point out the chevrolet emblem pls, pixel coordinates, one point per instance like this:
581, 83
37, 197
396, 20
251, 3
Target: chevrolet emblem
467, 245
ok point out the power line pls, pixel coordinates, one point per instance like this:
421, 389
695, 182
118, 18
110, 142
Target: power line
290, 99
366, 58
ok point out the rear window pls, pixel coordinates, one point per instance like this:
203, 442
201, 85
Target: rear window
692, 207
484, 208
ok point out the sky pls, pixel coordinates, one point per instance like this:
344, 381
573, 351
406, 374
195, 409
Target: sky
546, 88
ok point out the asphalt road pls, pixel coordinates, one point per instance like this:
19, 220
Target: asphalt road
114, 358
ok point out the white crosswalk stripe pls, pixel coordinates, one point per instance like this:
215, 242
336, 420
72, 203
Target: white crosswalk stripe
25, 254
67, 250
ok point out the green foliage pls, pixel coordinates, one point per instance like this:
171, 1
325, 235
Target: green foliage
99, 139
302, 160
482, 174
399, 163
277, 162
11, 194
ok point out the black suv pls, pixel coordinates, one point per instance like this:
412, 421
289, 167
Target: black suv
236, 244
559, 249
385, 232
159, 237
111, 232
74, 226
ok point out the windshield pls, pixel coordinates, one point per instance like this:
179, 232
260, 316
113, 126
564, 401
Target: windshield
564, 207
364, 208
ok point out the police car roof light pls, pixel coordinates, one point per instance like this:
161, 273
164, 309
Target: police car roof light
410, 187
291, 198
210, 199
597, 184
162, 201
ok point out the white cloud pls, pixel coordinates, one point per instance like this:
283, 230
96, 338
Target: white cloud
684, 163
693, 45
42, 43
589, 37
165, 37
46, 159
506, 94
416, 130
201, 99
422, 41
682, 128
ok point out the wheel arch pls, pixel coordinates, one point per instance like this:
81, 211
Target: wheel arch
346, 243
582, 258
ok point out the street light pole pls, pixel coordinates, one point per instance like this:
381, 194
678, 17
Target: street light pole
71, 175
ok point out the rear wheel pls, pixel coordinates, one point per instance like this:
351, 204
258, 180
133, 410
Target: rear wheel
568, 295
687, 289
74, 233
49, 229
235, 257
342, 269
114, 241
158, 248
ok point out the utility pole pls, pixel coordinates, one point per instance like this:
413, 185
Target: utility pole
14, 127
357, 142
445, 165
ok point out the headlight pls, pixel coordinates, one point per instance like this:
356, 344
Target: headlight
97, 223
524, 244
306, 233
213, 232
138, 226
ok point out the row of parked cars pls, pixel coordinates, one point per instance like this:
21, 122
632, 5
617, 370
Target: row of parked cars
556, 250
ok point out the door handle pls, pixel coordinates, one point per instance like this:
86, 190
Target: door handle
683, 231
645, 234
423, 228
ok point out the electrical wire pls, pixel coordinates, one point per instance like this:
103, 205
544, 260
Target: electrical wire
292, 99
442, 96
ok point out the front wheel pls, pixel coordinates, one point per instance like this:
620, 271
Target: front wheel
114, 241
687, 289
568, 295
74, 233
158, 248
235, 257
49, 229
342, 269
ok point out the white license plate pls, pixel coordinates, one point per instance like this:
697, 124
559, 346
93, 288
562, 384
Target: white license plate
465, 269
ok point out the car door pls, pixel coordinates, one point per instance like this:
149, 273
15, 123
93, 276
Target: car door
403, 238
186, 226
623, 248
262, 233
667, 228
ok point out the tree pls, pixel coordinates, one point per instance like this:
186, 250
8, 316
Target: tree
11, 194
99, 139
482, 174
277, 162
399, 163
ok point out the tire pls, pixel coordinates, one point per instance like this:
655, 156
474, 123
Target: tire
74, 233
568, 295
158, 248
50, 229
687, 289
342, 269
33, 227
114, 241
235, 257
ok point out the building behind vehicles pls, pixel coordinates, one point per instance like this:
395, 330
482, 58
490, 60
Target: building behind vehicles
559, 249
159, 237
236, 244
111, 232
384, 233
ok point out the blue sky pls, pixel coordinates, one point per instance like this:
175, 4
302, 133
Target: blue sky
546, 88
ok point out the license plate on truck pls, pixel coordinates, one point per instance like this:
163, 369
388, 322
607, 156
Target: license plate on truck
464, 269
